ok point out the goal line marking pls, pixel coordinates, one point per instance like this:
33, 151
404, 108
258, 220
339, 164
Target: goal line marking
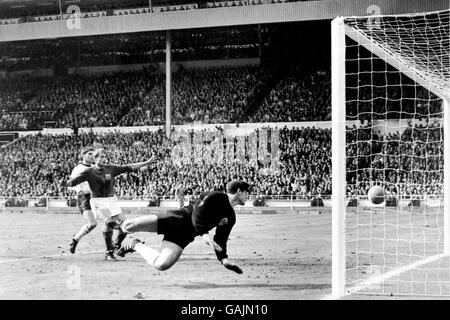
374, 280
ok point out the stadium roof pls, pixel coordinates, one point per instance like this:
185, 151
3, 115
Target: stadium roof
149, 47
18, 8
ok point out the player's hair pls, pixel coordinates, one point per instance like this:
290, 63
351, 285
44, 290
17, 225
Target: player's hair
235, 185
85, 150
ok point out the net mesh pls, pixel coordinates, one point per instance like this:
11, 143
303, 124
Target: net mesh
420, 42
397, 72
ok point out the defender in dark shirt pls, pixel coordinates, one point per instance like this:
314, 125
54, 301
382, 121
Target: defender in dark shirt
180, 227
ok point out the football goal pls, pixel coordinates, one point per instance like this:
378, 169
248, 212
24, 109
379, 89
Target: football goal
391, 128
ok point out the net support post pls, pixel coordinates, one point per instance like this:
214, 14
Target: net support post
446, 111
338, 156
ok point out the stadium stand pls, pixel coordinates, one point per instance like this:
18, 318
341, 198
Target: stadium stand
73, 101
301, 95
35, 165
207, 95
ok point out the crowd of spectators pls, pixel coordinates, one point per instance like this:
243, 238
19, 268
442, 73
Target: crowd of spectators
72, 101
101, 101
407, 163
136, 98
208, 95
36, 165
302, 95
150, 110
306, 159
28, 103
215, 95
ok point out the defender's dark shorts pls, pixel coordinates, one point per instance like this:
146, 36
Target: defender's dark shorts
176, 226
83, 201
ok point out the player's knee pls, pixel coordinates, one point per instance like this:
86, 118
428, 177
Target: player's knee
91, 225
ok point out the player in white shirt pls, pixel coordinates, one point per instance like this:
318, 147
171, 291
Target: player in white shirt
83, 197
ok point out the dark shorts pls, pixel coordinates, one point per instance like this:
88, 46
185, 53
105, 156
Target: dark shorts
176, 226
83, 201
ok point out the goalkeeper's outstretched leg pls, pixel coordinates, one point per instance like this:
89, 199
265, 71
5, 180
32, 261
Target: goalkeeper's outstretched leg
161, 259
180, 227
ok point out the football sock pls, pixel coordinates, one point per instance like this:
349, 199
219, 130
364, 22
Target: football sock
149, 254
120, 237
82, 232
108, 239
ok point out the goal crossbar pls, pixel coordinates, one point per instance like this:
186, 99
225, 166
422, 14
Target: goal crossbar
414, 74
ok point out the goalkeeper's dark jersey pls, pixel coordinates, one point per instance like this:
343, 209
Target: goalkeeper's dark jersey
211, 208
101, 180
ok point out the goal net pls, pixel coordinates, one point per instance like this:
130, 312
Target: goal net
390, 93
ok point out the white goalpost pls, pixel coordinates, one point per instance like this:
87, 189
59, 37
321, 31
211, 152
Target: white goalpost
391, 127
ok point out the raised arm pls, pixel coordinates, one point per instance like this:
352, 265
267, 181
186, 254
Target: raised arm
138, 165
